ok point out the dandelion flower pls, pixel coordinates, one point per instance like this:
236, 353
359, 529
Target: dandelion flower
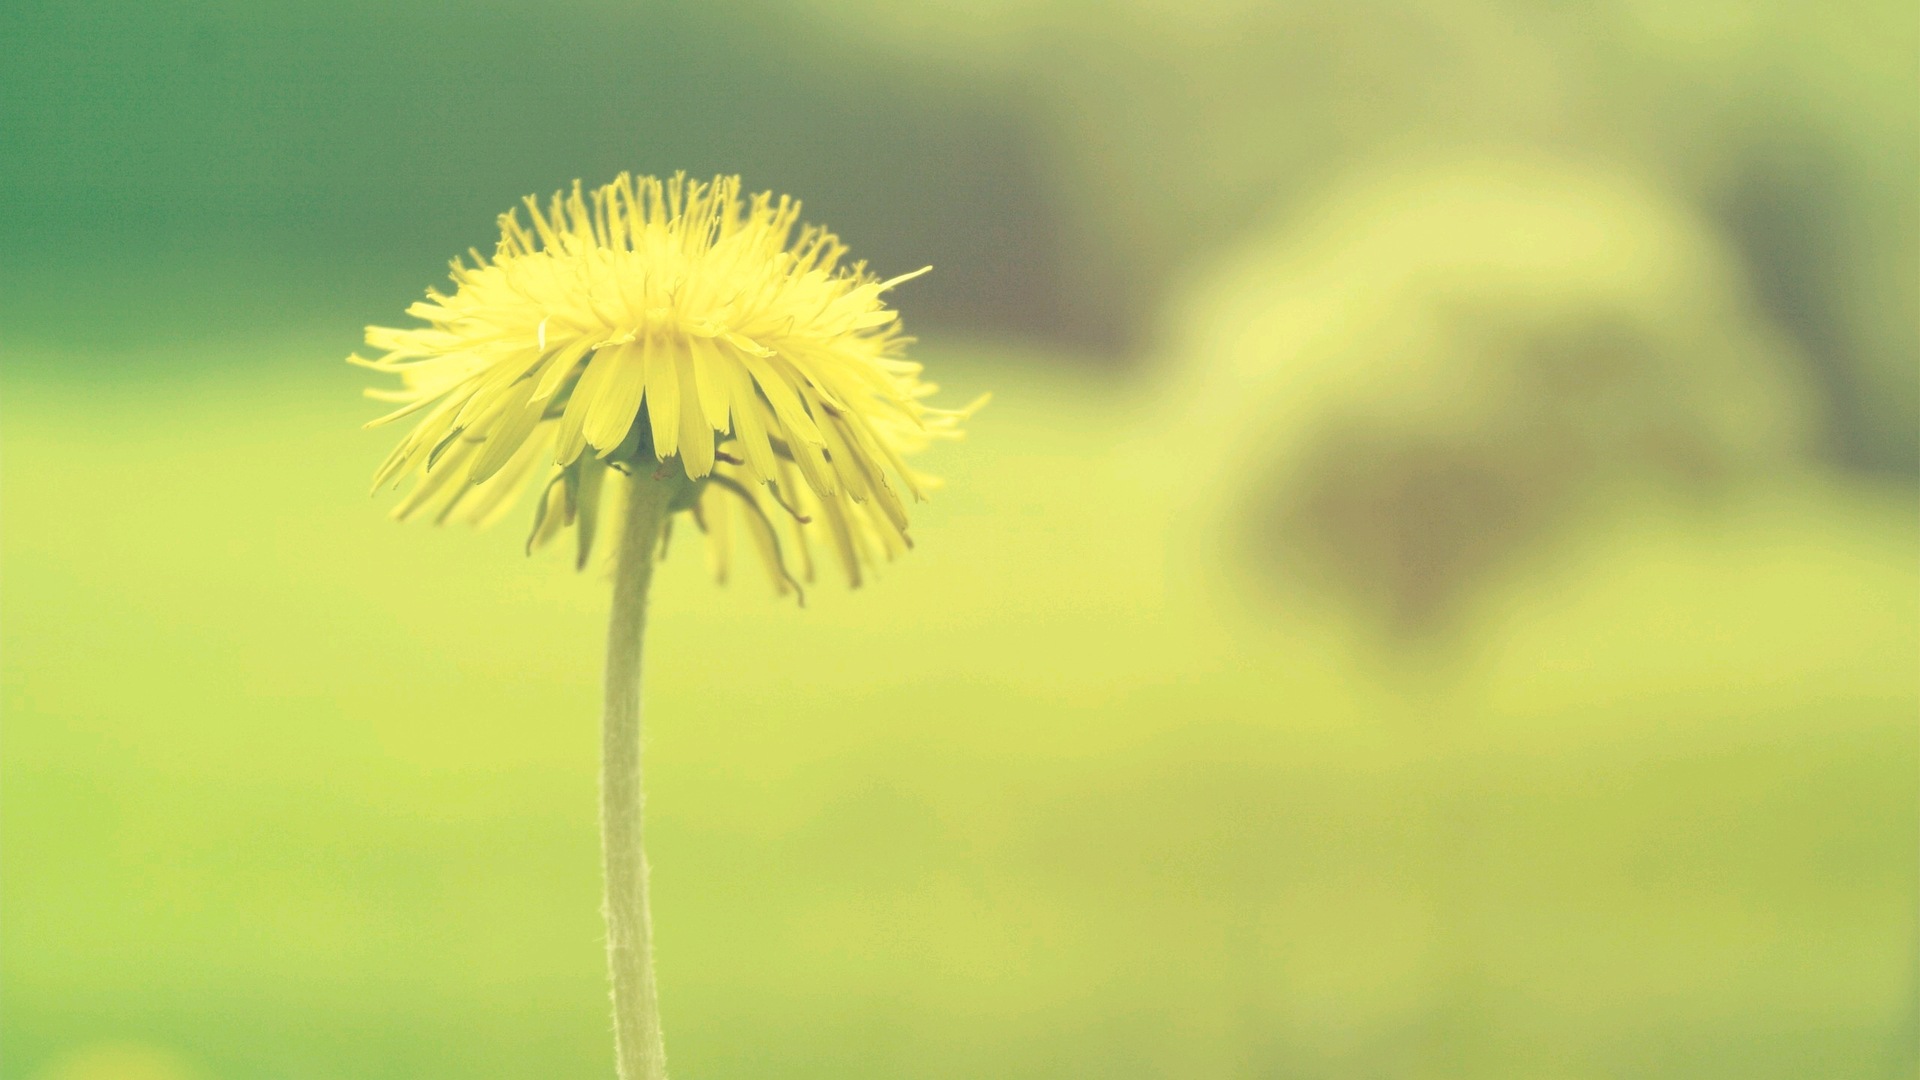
644, 350
669, 322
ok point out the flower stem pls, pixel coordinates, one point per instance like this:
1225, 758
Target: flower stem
639, 1053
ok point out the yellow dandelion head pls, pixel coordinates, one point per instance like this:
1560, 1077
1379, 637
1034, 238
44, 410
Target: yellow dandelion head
674, 328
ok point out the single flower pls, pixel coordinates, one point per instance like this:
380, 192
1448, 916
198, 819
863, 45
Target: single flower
643, 350
673, 326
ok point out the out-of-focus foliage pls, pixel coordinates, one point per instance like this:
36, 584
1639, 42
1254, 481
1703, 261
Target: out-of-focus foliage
1417, 380
1795, 128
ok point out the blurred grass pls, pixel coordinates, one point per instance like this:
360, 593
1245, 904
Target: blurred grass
294, 792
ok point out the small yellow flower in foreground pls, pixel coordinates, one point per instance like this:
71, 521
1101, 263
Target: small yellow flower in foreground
674, 327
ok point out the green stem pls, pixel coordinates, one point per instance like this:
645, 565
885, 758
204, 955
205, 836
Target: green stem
639, 1053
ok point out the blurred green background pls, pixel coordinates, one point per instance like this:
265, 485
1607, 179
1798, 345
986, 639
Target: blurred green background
1434, 594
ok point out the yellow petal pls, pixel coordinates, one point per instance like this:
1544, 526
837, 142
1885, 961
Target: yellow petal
517, 417
696, 437
616, 400
710, 375
663, 398
570, 438
748, 428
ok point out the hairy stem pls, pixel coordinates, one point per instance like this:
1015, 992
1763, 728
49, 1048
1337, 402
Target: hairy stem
639, 1052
